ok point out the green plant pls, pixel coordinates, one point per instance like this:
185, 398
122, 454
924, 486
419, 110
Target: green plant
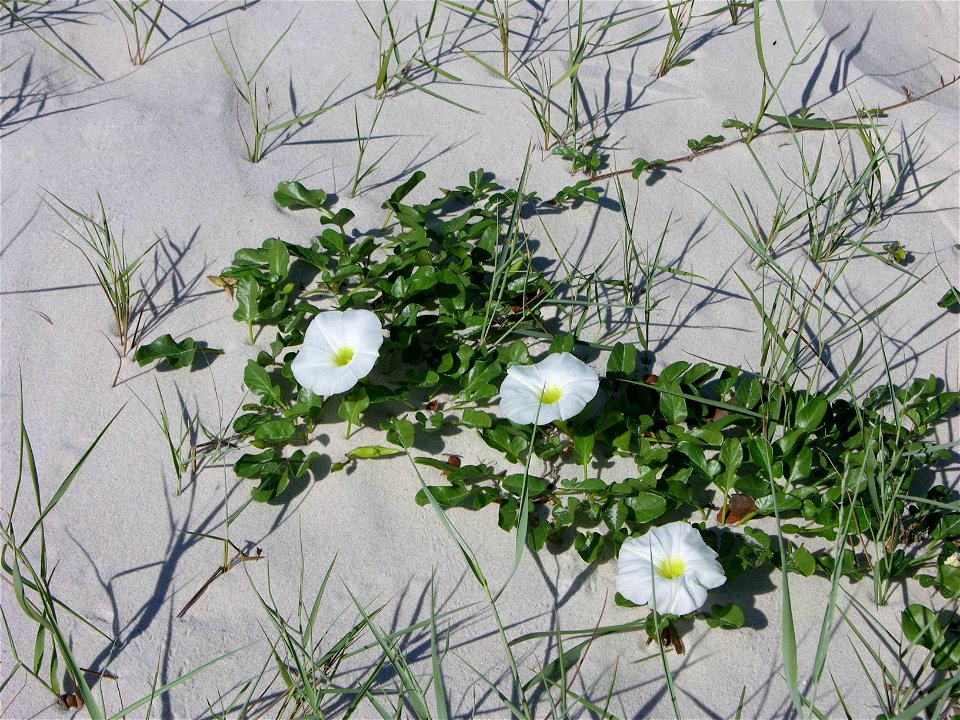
128, 12
457, 293
258, 111
28, 570
360, 174
587, 157
680, 17
16, 12
106, 255
395, 70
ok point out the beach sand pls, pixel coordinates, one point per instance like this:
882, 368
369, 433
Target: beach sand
160, 143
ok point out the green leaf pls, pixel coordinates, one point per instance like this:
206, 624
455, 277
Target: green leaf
248, 297
400, 432
583, 443
731, 455
802, 561
274, 432
271, 485
950, 299
254, 465
815, 123
622, 360
368, 452
725, 616
476, 418
353, 404
535, 486
646, 506
705, 142
294, 196
674, 408
445, 495
257, 379
500, 438
922, 626
811, 414
516, 353
401, 192
278, 258
736, 124
177, 354
761, 453
642, 164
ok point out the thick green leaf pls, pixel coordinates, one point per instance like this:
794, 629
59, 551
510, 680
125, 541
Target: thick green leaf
646, 506
725, 616
257, 379
811, 414
622, 360
673, 407
816, 123
367, 452
274, 432
177, 354
292, 195
950, 299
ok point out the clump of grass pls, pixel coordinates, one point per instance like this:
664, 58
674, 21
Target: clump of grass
114, 270
15, 11
583, 39
680, 16
128, 13
395, 69
175, 449
363, 141
27, 568
31, 583
258, 109
933, 689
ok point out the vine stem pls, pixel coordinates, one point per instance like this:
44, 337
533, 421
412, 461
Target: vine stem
765, 133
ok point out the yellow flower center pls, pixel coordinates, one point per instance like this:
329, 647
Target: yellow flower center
550, 394
671, 567
342, 355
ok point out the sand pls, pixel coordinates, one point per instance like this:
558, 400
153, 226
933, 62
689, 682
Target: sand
160, 144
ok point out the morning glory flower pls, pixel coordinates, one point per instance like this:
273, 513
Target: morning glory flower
338, 349
671, 565
556, 388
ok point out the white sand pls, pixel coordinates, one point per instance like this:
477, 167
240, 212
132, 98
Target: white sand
160, 143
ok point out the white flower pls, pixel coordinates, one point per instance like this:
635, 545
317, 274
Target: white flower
556, 388
338, 349
671, 565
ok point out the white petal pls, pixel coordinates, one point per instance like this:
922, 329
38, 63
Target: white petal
362, 363
674, 538
574, 399
646, 548
681, 595
528, 376
634, 580
522, 388
325, 330
362, 331
577, 380
314, 369
635, 568
520, 397
699, 559
677, 596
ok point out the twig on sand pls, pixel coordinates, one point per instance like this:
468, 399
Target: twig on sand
240, 557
